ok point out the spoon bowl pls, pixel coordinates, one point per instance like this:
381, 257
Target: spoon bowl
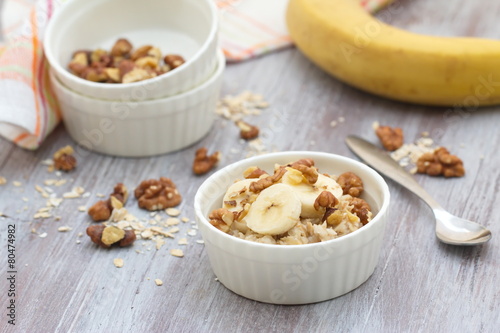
450, 229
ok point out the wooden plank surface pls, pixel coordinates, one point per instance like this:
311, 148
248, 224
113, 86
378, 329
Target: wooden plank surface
420, 285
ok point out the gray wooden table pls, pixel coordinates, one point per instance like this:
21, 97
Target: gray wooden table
420, 285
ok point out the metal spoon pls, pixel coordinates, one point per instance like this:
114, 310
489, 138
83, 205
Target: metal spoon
450, 229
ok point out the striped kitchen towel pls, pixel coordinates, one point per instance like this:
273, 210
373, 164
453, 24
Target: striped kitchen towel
28, 107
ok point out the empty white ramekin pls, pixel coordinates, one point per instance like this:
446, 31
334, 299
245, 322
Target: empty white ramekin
293, 274
145, 128
187, 27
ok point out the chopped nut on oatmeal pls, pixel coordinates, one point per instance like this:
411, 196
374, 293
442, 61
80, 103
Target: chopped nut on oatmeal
159, 194
362, 209
440, 162
309, 172
351, 184
222, 219
64, 159
203, 162
253, 172
326, 200
265, 182
391, 138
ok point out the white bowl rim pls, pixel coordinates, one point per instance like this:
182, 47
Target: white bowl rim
66, 8
218, 71
306, 154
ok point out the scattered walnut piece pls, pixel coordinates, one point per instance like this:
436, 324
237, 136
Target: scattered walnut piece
203, 163
159, 194
105, 236
351, 184
362, 209
391, 138
64, 159
173, 60
440, 162
101, 210
222, 219
247, 131
325, 199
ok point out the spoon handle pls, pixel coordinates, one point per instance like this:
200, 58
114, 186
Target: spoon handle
383, 163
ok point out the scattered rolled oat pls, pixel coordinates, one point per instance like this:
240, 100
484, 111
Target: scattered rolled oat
42, 215
118, 262
177, 253
75, 193
82, 208
158, 282
182, 241
185, 219
244, 104
200, 241
43, 235
17, 183
172, 221
173, 212
3, 180
64, 229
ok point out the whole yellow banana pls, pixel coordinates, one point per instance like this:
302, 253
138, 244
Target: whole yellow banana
347, 42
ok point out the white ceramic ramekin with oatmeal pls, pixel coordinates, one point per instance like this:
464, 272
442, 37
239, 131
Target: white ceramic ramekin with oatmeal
293, 274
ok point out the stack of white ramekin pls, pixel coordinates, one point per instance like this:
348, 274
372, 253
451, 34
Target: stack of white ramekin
150, 117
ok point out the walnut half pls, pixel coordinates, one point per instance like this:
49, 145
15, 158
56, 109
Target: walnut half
159, 194
203, 162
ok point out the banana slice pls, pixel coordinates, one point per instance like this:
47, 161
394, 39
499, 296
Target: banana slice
307, 193
237, 195
275, 211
